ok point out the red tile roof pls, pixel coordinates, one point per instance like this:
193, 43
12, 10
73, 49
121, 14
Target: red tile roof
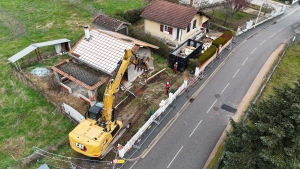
108, 22
104, 49
169, 13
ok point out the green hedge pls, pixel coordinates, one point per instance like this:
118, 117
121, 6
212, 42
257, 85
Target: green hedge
218, 41
208, 54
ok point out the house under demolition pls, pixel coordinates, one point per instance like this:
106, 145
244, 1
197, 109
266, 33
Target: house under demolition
93, 60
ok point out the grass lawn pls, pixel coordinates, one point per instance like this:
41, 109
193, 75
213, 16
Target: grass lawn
287, 71
26, 119
240, 18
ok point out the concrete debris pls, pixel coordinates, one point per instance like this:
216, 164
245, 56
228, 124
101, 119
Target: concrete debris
40, 72
186, 51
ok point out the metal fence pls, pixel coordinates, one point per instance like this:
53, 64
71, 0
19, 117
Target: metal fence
163, 106
278, 10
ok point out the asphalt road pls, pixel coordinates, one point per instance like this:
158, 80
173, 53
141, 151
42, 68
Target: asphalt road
190, 139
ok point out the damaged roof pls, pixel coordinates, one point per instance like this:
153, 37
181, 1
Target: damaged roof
81, 74
108, 22
169, 13
104, 49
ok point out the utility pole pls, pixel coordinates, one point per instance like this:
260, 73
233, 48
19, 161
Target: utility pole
259, 12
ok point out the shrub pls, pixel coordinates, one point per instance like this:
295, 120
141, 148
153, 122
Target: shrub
132, 16
218, 41
150, 112
208, 54
193, 63
101, 91
227, 35
139, 33
172, 90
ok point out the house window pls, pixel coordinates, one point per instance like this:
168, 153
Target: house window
194, 24
188, 28
166, 29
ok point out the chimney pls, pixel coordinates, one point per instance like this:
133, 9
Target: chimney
87, 33
191, 3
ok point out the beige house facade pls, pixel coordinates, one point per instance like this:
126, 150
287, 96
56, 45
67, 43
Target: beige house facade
181, 23
170, 33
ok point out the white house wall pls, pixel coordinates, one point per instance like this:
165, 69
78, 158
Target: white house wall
200, 20
132, 73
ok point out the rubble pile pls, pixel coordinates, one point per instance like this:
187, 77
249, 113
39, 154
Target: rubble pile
207, 42
184, 52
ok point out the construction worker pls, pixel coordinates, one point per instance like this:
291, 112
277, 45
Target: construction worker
167, 87
175, 67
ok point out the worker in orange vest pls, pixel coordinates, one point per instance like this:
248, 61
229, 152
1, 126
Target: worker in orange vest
167, 87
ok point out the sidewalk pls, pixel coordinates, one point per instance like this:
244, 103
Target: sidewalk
255, 86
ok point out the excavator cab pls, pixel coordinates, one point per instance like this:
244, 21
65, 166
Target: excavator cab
95, 112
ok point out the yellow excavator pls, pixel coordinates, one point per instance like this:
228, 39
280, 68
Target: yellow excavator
92, 136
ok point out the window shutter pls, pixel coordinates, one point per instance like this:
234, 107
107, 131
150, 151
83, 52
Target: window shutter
161, 28
170, 30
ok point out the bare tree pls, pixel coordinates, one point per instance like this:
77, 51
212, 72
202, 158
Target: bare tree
233, 6
205, 5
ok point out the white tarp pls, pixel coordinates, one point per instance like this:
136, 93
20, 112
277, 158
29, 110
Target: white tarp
73, 113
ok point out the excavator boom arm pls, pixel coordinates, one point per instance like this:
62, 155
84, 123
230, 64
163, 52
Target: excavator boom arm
114, 83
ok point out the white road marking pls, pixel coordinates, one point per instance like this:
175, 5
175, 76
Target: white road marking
289, 24
133, 164
235, 73
288, 15
211, 106
262, 42
272, 35
175, 157
253, 51
245, 61
281, 29
195, 128
224, 88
